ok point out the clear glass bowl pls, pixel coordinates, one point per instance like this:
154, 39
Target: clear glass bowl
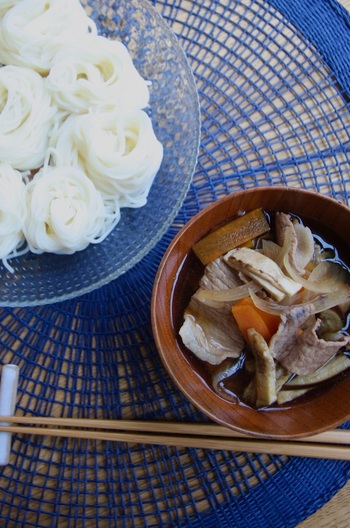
174, 108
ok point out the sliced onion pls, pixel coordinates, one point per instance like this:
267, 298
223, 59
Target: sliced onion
271, 307
305, 245
224, 372
326, 301
229, 295
331, 272
284, 249
322, 302
328, 277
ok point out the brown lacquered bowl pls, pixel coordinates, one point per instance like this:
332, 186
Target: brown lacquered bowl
177, 279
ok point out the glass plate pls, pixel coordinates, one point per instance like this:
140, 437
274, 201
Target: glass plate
174, 109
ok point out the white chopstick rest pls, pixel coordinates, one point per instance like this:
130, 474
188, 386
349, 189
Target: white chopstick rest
8, 398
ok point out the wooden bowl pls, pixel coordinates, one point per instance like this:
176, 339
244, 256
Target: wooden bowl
177, 279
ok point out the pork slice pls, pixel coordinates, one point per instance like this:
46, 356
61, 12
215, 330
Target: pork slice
211, 334
291, 322
219, 276
309, 353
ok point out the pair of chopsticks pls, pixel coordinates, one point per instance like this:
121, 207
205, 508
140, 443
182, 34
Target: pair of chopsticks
334, 444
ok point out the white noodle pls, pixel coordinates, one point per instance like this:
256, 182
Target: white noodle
65, 212
5, 5
119, 152
96, 72
12, 211
32, 31
71, 107
26, 114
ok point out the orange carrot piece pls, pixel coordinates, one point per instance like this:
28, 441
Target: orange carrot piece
247, 316
231, 235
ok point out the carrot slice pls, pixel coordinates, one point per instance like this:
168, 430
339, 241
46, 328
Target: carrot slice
247, 316
231, 235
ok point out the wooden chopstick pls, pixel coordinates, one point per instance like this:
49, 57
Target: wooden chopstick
333, 444
313, 450
336, 436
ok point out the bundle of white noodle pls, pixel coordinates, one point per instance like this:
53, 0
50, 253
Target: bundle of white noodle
119, 152
65, 212
26, 117
32, 31
12, 211
96, 72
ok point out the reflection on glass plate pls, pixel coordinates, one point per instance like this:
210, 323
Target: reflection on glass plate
174, 109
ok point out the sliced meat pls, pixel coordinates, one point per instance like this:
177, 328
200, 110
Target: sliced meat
291, 322
308, 353
219, 276
211, 334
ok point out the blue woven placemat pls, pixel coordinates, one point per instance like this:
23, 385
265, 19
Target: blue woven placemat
273, 82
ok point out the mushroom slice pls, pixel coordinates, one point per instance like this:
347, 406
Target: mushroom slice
330, 326
286, 396
262, 270
332, 368
282, 377
265, 370
299, 385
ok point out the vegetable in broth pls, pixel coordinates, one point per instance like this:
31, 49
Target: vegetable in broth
269, 319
